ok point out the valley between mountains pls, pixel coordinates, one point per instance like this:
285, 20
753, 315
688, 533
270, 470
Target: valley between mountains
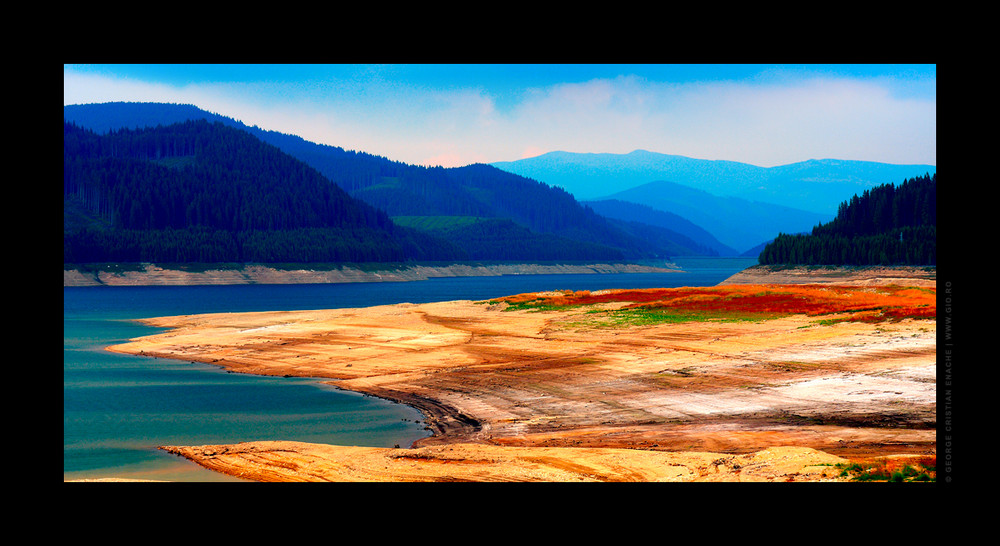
790, 375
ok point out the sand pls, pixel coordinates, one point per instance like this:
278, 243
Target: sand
555, 396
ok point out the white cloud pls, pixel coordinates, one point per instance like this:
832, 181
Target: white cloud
90, 88
819, 118
765, 124
768, 121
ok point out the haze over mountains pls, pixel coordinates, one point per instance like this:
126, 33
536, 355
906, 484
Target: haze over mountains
741, 205
562, 206
816, 185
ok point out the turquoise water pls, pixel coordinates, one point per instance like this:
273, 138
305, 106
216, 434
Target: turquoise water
118, 408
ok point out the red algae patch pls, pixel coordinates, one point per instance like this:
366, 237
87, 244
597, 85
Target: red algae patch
860, 303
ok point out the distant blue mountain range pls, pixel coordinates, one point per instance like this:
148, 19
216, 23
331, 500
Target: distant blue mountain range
816, 185
741, 205
737, 223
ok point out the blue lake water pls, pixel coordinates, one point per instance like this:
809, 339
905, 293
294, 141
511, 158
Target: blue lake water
118, 408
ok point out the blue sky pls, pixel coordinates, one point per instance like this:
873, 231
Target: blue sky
453, 115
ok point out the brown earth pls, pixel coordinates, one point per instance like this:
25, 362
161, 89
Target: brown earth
556, 395
302, 462
851, 276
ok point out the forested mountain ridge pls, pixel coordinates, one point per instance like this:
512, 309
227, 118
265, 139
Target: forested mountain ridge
885, 225
399, 189
205, 192
246, 184
492, 239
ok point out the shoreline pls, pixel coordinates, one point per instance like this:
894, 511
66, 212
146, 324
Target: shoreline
465, 366
846, 275
154, 275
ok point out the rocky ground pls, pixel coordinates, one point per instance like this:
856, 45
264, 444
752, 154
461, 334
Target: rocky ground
851, 276
562, 394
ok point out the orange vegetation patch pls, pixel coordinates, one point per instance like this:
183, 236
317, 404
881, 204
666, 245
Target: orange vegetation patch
862, 303
892, 468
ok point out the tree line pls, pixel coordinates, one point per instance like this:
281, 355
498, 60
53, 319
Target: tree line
200, 191
885, 225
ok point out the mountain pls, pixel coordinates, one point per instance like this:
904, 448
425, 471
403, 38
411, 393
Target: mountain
755, 251
204, 192
504, 240
813, 185
690, 238
546, 223
591, 176
884, 225
111, 116
735, 222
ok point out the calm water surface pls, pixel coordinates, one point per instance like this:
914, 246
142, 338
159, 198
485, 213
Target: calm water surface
118, 408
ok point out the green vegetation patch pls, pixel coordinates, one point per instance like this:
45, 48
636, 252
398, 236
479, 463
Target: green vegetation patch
386, 182
435, 223
645, 316
639, 316
536, 305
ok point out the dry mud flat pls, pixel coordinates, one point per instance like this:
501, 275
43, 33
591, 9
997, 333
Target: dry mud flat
579, 386
302, 462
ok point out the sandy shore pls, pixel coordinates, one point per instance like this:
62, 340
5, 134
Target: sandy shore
563, 395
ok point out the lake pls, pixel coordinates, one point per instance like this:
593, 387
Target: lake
118, 408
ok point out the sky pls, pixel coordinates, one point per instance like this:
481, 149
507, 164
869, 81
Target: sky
454, 115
